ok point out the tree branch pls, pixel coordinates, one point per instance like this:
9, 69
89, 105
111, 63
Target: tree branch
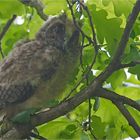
128, 116
37, 4
70, 104
73, 102
111, 95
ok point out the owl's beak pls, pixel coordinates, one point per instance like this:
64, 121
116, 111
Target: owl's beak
74, 39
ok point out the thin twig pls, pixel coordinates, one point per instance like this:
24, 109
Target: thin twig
1, 51
94, 42
75, 87
131, 64
86, 45
89, 118
89, 112
91, 25
5, 29
81, 51
75, 23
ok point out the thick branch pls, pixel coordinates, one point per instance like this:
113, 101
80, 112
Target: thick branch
69, 105
110, 95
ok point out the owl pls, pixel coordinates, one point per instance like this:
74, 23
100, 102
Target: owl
38, 71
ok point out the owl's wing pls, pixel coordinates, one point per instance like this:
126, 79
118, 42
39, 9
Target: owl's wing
22, 71
10, 94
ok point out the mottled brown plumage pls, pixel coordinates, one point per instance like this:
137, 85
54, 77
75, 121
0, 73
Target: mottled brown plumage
38, 70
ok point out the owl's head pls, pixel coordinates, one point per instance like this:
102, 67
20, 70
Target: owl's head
56, 32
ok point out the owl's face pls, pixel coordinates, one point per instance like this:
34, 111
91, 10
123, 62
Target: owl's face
55, 35
56, 31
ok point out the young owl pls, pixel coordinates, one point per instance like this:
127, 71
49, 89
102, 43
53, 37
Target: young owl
37, 71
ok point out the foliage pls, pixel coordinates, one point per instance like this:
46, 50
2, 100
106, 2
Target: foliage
109, 18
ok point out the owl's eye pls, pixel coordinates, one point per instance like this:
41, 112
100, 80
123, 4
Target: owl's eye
59, 29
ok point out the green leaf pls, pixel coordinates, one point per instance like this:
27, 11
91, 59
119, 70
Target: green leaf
51, 131
117, 78
52, 103
67, 129
133, 55
113, 133
131, 92
96, 103
86, 27
8, 8
24, 117
105, 30
51, 5
14, 34
106, 2
101, 61
135, 70
136, 114
96, 124
84, 136
123, 8
107, 111
68, 132
88, 55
